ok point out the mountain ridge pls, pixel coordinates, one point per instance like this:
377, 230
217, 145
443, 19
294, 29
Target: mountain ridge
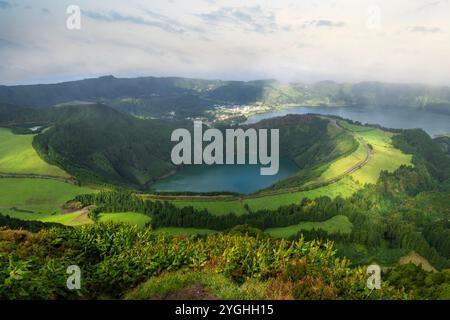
181, 98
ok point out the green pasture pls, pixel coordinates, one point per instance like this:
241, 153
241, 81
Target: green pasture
385, 156
138, 219
35, 199
337, 224
17, 155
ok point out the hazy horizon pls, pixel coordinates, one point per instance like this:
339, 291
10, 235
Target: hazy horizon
217, 79
405, 42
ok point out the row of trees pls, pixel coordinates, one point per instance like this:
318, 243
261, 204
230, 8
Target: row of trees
33, 226
165, 214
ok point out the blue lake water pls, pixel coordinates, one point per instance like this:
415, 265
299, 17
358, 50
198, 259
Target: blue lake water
400, 118
232, 178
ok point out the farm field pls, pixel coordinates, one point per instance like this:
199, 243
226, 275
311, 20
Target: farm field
337, 224
341, 165
73, 219
138, 219
35, 199
385, 156
17, 155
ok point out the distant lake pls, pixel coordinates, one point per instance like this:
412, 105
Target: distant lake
403, 118
246, 178
232, 178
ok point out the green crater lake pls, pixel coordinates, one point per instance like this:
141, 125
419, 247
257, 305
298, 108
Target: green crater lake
219, 178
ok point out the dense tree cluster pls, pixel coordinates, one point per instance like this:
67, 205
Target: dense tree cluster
420, 283
34, 226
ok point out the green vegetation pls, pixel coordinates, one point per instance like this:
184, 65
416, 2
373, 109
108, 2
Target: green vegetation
382, 196
385, 156
420, 283
396, 215
19, 224
196, 285
184, 231
138, 219
81, 143
444, 143
336, 168
337, 224
117, 257
344, 188
73, 219
35, 199
18, 156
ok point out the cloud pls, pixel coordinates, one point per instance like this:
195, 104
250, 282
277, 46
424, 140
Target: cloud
45, 11
423, 29
5, 5
430, 5
170, 21
323, 23
251, 18
10, 44
427, 7
114, 16
289, 40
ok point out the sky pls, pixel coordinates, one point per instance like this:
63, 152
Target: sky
406, 41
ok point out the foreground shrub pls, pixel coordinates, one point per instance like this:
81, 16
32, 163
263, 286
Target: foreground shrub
115, 258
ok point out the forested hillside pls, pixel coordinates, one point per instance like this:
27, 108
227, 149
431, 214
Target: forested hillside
181, 98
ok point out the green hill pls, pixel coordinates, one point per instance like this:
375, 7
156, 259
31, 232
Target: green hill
97, 143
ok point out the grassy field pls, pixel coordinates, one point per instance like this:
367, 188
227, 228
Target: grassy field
33, 198
41, 197
341, 165
385, 156
344, 188
183, 231
73, 219
138, 219
336, 224
353, 127
17, 155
